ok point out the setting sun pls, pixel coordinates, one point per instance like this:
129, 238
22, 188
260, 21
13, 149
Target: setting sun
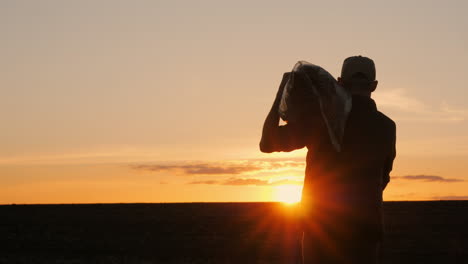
288, 194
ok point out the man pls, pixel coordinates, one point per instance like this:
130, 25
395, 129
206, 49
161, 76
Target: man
342, 193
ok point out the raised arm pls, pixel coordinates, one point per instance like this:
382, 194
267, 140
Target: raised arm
270, 134
280, 138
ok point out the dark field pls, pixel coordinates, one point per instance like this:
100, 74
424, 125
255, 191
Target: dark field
416, 232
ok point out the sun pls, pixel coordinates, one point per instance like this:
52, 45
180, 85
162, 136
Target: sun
288, 194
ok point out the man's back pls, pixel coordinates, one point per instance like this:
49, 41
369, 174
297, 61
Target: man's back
363, 165
349, 184
342, 193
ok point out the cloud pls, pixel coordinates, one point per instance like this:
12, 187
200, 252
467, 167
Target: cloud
247, 181
412, 109
454, 114
224, 167
240, 181
398, 99
286, 182
426, 178
200, 168
451, 197
204, 182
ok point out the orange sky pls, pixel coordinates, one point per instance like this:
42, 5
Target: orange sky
164, 101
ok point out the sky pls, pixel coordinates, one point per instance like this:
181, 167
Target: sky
164, 101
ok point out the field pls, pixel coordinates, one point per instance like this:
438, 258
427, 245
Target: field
416, 232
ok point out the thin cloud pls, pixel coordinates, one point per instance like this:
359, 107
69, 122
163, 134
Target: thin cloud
286, 182
284, 164
398, 99
426, 178
201, 168
454, 114
412, 109
223, 168
451, 197
247, 181
239, 181
204, 182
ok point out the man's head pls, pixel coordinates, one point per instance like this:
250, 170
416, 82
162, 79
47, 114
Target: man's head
358, 75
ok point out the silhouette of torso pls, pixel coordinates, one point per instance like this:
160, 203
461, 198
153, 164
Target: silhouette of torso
347, 186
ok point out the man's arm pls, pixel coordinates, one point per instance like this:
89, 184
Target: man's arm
275, 137
389, 162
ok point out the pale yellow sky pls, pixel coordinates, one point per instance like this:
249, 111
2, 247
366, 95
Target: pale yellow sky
91, 88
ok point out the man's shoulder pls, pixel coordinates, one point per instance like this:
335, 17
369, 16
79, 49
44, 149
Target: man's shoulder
385, 120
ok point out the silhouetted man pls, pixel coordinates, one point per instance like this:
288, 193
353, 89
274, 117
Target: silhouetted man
342, 193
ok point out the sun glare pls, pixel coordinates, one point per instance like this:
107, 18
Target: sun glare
288, 194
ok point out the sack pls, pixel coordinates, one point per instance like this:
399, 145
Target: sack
309, 84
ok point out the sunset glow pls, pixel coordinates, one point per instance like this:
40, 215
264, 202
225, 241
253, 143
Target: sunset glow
288, 194
164, 101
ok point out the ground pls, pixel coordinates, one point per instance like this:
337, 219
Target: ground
416, 232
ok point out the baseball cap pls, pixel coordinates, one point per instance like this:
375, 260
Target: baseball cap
358, 64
